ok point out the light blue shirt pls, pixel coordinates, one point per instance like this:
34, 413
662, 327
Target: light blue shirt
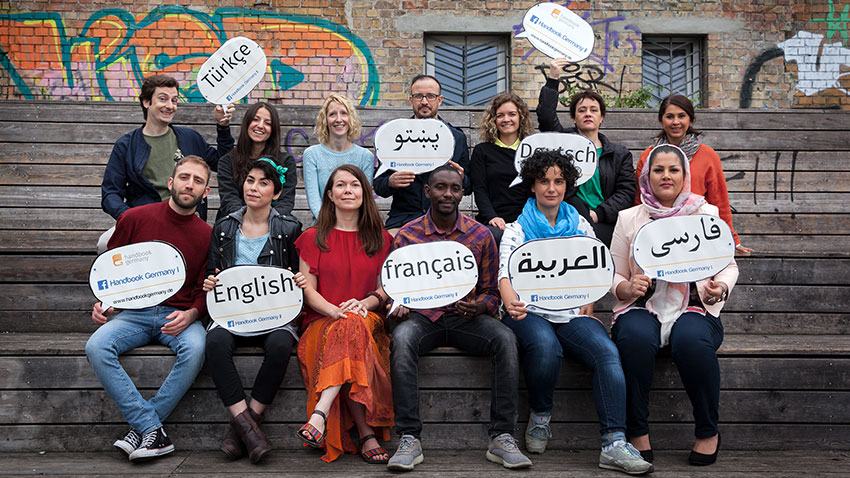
319, 162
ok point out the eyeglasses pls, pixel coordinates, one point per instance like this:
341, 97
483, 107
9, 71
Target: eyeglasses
429, 96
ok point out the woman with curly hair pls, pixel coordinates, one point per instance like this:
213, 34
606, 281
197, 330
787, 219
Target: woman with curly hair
505, 123
259, 137
543, 336
337, 125
344, 347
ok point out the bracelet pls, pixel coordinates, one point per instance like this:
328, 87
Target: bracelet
381, 301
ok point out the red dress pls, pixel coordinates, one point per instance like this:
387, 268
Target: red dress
353, 350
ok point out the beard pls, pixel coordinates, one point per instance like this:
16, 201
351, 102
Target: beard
186, 204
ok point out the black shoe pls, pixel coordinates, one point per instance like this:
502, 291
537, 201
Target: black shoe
701, 459
129, 443
647, 455
155, 443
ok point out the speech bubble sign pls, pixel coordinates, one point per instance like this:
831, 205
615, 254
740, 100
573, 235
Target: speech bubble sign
561, 273
582, 149
232, 71
416, 145
138, 275
556, 31
684, 248
429, 275
252, 298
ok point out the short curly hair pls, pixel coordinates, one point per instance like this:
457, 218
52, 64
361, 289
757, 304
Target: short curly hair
488, 130
536, 165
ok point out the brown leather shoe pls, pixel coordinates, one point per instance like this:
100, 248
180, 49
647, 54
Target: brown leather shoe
232, 445
251, 435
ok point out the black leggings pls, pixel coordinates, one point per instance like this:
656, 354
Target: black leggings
277, 346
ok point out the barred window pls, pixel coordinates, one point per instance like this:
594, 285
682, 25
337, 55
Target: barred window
470, 68
674, 65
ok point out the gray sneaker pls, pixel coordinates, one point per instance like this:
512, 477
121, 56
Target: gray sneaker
624, 457
537, 433
408, 454
504, 450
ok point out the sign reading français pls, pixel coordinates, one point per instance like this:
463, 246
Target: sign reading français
684, 248
250, 299
232, 71
415, 145
138, 275
556, 31
429, 275
582, 150
561, 273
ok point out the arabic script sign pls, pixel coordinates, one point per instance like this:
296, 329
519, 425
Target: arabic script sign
415, 145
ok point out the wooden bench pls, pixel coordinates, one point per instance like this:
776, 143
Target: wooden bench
785, 360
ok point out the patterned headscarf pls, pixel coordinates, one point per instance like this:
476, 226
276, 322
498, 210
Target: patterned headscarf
686, 203
690, 144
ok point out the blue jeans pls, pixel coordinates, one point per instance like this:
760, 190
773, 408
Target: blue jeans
585, 339
694, 341
481, 335
128, 330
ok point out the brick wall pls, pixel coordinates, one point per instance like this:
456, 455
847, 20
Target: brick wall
762, 53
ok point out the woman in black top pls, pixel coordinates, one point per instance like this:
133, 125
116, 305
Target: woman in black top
505, 123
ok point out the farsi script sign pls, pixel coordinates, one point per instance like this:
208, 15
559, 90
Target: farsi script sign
684, 248
561, 273
138, 275
232, 71
556, 31
250, 299
415, 145
582, 150
429, 275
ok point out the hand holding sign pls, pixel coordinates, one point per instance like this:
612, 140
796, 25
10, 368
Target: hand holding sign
684, 248
232, 71
582, 150
137, 275
429, 275
413, 145
556, 31
561, 273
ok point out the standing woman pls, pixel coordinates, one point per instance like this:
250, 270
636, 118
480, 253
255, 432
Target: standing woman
612, 187
504, 125
544, 336
337, 125
650, 314
676, 115
259, 137
255, 234
344, 348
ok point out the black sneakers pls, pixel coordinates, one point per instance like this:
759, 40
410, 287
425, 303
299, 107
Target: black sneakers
155, 443
129, 443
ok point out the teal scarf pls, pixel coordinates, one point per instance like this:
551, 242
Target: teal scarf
536, 226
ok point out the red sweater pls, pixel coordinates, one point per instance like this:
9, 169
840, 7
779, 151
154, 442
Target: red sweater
707, 180
189, 234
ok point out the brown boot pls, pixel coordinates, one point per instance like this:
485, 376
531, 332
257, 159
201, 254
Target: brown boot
232, 445
251, 435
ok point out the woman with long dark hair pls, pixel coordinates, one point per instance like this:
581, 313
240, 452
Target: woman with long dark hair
259, 137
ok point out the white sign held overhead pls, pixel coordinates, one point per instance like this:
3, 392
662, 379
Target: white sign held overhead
232, 71
556, 31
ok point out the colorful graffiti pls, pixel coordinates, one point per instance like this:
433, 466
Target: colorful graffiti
115, 50
835, 23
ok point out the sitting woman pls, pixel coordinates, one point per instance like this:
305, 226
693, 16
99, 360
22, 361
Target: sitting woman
337, 125
676, 115
259, 137
344, 348
255, 234
612, 187
544, 336
651, 314
505, 123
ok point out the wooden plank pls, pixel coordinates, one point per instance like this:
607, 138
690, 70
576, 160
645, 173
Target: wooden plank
797, 245
797, 224
37, 372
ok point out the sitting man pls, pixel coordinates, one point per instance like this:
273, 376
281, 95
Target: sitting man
468, 324
141, 160
173, 323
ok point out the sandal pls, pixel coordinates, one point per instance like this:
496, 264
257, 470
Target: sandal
371, 456
310, 434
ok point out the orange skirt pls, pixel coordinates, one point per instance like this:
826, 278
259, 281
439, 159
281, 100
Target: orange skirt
353, 350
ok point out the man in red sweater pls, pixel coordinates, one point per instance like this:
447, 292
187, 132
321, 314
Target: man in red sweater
173, 323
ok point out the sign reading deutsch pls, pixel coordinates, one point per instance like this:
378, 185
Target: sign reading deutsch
580, 148
138, 275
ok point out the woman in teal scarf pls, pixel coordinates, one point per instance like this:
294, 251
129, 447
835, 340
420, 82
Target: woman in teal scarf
543, 336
